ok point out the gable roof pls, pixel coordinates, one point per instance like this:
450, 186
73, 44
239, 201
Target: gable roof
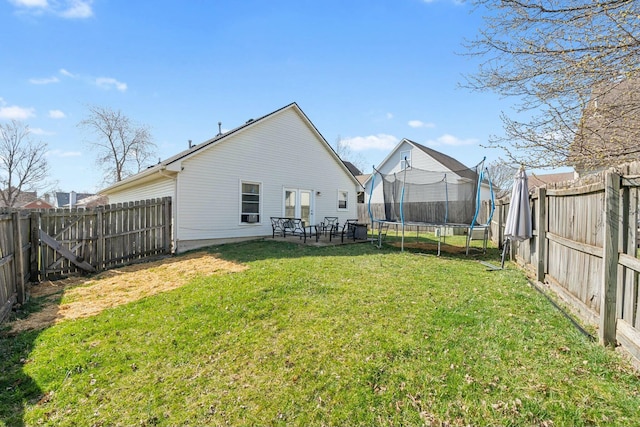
172, 163
447, 161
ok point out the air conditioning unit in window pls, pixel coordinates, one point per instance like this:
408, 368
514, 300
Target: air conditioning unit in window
252, 218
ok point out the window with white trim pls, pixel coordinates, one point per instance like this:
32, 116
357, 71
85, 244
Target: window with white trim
249, 202
343, 197
405, 160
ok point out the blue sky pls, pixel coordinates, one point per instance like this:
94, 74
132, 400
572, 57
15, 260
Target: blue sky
368, 71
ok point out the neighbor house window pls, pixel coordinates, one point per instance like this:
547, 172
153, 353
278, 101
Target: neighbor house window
343, 196
405, 160
250, 202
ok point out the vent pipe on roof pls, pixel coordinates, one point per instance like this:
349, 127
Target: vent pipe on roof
219, 128
190, 144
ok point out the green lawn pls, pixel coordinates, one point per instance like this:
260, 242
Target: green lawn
347, 335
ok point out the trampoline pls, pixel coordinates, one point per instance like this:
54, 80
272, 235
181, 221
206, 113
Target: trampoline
449, 203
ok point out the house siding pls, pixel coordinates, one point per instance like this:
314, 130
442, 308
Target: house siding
162, 187
282, 152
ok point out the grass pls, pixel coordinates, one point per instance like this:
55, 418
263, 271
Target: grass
348, 335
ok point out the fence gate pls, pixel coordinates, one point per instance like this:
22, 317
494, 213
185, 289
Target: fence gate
89, 240
68, 240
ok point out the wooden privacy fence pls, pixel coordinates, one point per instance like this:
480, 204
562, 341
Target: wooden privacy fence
36, 245
584, 246
15, 254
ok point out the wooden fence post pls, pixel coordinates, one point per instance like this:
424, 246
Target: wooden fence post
18, 257
541, 225
610, 255
34, 268
100, 261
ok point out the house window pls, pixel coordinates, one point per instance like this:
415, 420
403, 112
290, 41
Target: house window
343, 196
250, 205
405, 160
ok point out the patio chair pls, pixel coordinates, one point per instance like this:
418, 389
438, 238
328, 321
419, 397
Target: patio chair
329, 224
349, 229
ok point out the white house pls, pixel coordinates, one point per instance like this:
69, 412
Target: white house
452, 181
227, 188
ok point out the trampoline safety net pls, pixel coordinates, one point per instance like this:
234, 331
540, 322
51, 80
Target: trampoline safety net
416, 195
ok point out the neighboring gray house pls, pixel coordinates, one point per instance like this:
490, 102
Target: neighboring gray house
227, 188
420, 157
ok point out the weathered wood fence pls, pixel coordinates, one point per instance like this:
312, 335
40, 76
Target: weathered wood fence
15, 254
40, 244
584, 247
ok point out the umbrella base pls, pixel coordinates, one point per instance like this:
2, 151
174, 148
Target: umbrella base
505, 248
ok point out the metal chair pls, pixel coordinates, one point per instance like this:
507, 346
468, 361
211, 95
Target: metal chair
329, 224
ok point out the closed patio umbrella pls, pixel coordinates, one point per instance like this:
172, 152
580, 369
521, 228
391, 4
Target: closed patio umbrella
518, 225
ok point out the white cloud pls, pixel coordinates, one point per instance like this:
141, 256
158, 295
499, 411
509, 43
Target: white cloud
13, 112
69, 9
57, 114
451, 140
420, 124
380, 141
44, 81
78, 9
66, 73
30, 3
108, 83
389, 116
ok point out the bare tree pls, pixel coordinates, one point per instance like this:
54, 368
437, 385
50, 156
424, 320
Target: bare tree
123, 147
345, 153
556, 57
23, 162
501, 174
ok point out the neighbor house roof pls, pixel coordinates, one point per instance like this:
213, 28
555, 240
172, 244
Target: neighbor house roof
352, 168
447, 161
541, 180
363, 178
172, 163
37, 204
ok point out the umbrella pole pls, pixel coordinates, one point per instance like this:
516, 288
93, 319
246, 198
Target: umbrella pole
505, 248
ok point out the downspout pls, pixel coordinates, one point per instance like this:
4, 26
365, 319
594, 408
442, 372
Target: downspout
174, 209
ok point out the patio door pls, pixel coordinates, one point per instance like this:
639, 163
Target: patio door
299, 204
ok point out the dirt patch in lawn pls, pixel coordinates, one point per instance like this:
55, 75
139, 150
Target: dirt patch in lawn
88, 296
